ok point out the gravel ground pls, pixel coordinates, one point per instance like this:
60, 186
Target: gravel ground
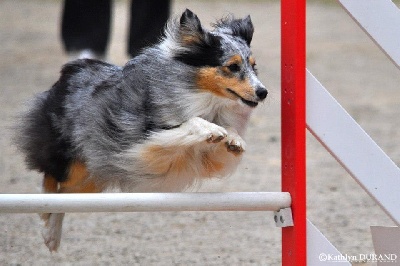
340, 55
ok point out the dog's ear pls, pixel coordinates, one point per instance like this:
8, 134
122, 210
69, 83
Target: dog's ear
192, 34
201, 47
243, 28
190, 21
191, 30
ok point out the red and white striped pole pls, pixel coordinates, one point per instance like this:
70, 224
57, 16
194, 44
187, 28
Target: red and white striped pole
293, 86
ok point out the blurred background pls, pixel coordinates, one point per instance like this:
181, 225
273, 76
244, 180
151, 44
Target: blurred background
339, 54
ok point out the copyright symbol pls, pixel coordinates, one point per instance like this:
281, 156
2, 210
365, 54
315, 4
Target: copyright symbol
322, 257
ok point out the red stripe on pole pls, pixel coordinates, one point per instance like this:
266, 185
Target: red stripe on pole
293, 66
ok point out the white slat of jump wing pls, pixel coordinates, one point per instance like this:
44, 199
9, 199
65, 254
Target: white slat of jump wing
143, 202
320, 250
380, 19
353, 148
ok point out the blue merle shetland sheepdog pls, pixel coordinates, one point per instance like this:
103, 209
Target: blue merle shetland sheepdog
172, 116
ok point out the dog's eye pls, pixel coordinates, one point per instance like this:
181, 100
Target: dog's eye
234, 68
254, 66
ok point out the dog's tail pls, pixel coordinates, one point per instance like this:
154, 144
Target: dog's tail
37, 137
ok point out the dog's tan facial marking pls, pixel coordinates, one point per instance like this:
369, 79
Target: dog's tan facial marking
209, 79
252, 61
213, 79
190, 39
236, 59
232, 66
77, 181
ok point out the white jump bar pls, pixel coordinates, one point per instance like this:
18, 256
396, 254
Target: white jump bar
143, 202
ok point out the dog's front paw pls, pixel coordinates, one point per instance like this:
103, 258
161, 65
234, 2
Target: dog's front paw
216, 135
207, 131
235, 144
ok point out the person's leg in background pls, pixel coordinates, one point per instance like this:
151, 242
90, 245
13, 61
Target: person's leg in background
85, 27
147, 22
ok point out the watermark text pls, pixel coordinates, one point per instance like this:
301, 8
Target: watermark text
326, 257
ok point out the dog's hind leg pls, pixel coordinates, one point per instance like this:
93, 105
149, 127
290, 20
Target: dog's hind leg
52, 231
49, 185
53, 221
77, 182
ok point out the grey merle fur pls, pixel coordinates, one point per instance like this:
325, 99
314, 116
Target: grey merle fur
96, 110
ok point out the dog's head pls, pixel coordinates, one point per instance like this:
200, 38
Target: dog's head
224, 63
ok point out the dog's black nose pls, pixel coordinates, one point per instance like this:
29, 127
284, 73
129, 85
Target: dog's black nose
262, 93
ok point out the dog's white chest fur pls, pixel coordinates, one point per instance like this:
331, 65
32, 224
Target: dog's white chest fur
224, 112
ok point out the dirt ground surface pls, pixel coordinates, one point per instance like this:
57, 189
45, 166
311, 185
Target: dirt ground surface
340, 55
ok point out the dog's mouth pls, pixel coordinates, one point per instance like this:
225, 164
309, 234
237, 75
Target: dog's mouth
247, 102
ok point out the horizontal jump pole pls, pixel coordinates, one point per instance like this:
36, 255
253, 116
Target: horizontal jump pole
143, 202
